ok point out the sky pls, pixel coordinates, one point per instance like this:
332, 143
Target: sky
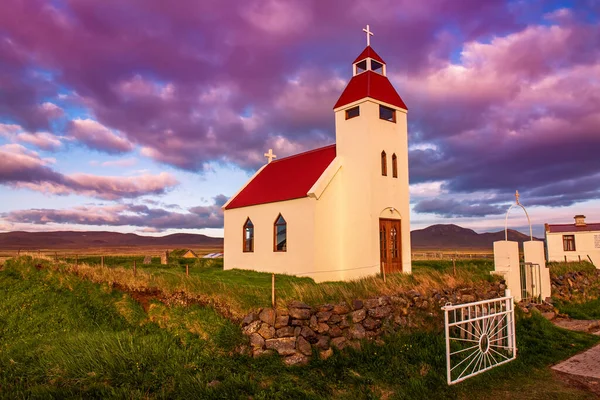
145, 116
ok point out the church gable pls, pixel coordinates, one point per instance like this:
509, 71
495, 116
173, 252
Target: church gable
285, 179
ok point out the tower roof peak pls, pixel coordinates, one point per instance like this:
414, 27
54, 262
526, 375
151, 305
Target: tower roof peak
368, 52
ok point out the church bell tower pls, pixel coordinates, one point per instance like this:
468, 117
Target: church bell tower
371, 142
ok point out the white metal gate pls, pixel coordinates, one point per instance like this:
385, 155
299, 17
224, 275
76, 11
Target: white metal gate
479, 336
531, 282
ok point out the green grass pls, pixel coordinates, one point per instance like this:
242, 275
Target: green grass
586, 310
62, 336
561, 268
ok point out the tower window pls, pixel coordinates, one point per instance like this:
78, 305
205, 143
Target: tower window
377, 67
383, 163
361, 66
394, 165
280, 234
352, 112
386, 113
248, 236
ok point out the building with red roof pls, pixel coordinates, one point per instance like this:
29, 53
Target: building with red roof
574, 242
338, 212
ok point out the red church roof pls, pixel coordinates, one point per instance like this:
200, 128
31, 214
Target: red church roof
369, 52
285, 179
373, 85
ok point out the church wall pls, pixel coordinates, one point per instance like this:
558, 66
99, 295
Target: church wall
299, 257
328, 226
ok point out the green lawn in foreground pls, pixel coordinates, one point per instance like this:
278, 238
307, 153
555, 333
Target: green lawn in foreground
64, 337
587, 310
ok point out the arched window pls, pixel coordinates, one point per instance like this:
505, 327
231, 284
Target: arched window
383, 164
394, 165
280, 234
248, 237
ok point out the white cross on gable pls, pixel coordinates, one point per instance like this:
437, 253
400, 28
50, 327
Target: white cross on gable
369, 34
270, 156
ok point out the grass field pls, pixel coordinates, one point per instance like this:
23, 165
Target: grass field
62, 336
237, 292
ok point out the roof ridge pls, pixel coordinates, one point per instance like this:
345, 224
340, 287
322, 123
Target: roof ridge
303, 153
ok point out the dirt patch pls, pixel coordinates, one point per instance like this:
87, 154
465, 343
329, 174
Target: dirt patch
590, 326
586, 383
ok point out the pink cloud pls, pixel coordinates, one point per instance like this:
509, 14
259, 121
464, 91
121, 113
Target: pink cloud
23, 168
98, 137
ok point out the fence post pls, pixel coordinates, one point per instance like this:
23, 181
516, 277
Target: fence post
187, 270
510, 324
76, 260
454, 266
134, 269
273, 290
102, 261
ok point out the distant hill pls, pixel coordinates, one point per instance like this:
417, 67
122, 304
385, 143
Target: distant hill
78, 240
449, 237
454, 237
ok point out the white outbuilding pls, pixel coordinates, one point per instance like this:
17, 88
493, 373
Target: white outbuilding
338, 212
574, 242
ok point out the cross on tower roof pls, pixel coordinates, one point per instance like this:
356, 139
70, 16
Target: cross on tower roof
517, 195
369, 34
270, 156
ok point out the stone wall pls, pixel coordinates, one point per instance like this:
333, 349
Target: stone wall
298, 330
576, 285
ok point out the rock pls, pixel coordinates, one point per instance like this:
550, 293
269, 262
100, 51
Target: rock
282, 312
266, 331
303, 346
299, 313
334, 319
424, 305
325, 354
357, 304
397, 300
467, 298
371, 334
414, 293
148, 260
380, 312
323, 341
298, 322
383, 301
549, 315
359, 315
260, 352
335, 331
354, 345
357, 331
325, 308
502, 286
371, 323
267, 315
307, 332
339, 342
251, 328
281, 321
313, 324
323, 316
248, 319
296, 359
283, 346
298, 304
344, 323
341, 308
371, 303
322, 327
257, 341
286, 331
213, 383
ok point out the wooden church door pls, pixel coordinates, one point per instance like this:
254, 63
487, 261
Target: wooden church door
390, 249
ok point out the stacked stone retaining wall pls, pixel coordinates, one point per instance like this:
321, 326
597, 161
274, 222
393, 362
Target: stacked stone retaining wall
298, 331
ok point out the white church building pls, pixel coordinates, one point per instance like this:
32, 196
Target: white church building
339, 212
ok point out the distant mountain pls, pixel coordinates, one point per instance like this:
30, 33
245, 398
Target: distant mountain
440, 237
73, 240
454, 237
